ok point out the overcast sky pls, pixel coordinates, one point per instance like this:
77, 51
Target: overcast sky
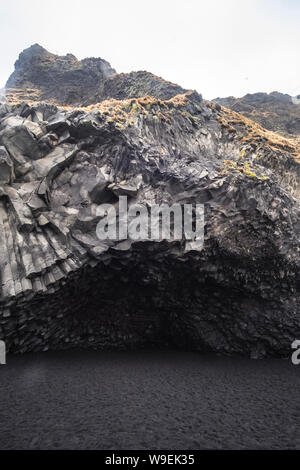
218, 47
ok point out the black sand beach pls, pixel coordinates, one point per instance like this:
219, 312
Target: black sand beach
148, 400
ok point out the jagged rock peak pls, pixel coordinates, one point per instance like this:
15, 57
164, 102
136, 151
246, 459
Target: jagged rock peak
63, 78
42, 76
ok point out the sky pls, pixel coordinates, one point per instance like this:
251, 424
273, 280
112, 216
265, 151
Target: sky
217, 47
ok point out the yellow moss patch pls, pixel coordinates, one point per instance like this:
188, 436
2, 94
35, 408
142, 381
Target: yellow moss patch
244, 168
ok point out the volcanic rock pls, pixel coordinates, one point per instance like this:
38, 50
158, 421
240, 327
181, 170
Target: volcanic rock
61, 286
61, 77
275, 111
40, 75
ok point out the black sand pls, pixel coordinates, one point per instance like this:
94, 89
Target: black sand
146, 400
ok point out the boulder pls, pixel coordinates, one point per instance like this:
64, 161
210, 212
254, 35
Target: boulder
21, 144
6, 167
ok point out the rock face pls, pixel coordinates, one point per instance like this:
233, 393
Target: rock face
277, 112
135, 85
63, 78
62, 287
40, 75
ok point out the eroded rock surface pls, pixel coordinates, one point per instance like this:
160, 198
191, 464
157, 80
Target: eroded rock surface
43, 75
275, 111
61, 287
63, 80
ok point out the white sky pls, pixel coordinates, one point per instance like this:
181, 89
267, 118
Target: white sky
218, 47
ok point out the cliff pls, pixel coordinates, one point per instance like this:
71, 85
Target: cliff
64, 80
61, 287
277, 112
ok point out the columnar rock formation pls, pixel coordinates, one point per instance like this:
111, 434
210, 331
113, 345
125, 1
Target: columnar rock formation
62, 287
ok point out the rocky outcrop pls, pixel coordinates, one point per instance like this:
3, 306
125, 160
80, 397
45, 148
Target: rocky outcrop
135, 85
64, 80
276, 112
62, 287
45, 76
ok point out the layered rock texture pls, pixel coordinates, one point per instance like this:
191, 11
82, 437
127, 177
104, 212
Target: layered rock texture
275, 111
63, 287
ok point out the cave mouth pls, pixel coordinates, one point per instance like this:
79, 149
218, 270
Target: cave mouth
149, 298
134, 302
